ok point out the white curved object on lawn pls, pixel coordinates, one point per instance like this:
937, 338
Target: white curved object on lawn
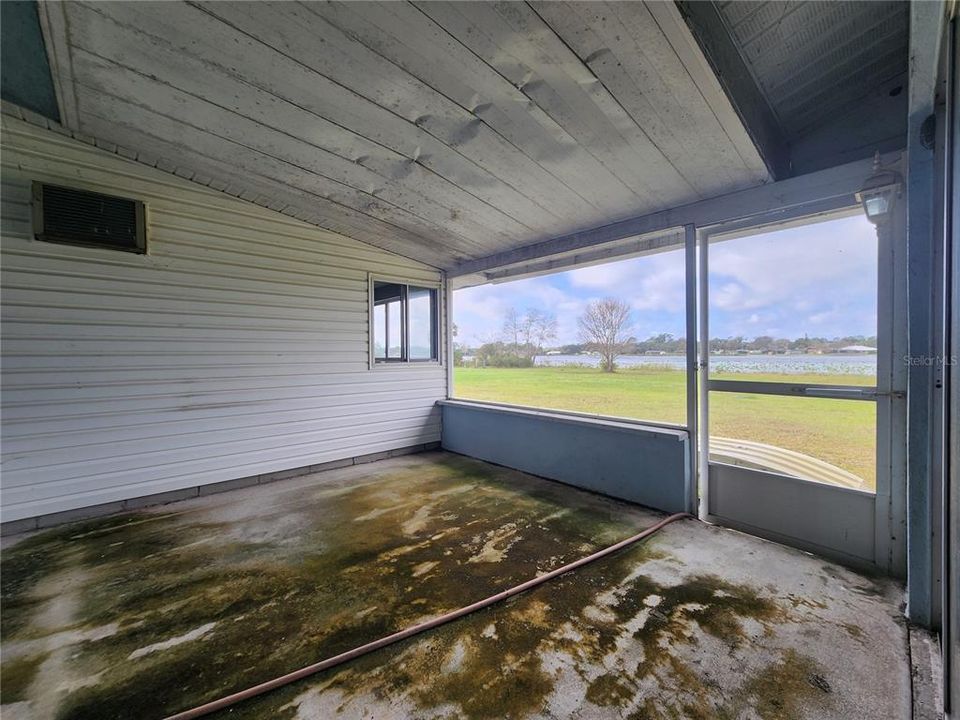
761, 456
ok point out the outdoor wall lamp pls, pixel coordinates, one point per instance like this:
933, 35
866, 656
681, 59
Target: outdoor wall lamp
879, 192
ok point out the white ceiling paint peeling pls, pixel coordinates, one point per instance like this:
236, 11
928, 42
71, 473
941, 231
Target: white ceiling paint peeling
445, 132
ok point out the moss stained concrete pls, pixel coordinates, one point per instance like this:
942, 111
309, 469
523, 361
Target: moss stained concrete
144, 614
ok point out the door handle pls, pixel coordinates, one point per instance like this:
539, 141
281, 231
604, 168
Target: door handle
853, 393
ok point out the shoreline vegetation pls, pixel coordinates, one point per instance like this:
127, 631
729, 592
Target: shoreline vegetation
522, 348
841, 432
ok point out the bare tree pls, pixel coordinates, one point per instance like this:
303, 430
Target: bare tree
603, 328
512, 328
538, 327
524, 335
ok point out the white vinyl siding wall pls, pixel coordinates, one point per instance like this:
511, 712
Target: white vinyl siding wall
237, 346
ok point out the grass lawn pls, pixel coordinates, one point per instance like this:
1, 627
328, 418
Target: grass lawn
841, 432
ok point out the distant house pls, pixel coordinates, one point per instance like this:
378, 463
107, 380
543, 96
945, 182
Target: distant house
853, 349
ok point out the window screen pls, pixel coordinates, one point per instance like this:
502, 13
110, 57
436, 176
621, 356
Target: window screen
405, 327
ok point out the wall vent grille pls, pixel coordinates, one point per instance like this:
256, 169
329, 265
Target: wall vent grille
80, 217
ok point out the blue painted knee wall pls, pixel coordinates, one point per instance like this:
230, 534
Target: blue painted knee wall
644, 464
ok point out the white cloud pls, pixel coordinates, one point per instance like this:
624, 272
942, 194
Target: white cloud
654, 282
822, 317
479, 311
794, 265
815, 279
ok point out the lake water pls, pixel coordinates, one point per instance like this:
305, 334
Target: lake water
793, 364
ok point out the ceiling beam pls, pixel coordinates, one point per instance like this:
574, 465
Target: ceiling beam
621, 250
710, 31
839, 182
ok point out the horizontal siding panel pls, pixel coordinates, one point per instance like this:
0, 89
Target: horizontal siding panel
204, 264
321, 297
205, 256
50, 482
159, 278
14, 209
19, 346
143, 424
185, 406
16, 190
14, 227
32, 377
149, 383
94, 361
197, 430
214, 391
259, 331
237, 346
125, 306
130, 457
175, 240
162, 314
212, 472
187, 229
244, 244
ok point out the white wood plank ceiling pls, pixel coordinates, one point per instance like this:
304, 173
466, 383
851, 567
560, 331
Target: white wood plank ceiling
442, 131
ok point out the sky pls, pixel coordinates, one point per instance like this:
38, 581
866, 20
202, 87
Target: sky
818, 280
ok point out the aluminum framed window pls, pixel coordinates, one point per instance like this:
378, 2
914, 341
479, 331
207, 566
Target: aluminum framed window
404, 323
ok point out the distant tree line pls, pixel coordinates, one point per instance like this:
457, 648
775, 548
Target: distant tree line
603, 329
768, 344
670, 345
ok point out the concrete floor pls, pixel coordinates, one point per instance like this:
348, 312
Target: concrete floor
145, 614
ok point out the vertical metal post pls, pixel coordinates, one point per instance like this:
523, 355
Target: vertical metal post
704, 346
690, 276
891, 418
947, 528
926, 34
448, 332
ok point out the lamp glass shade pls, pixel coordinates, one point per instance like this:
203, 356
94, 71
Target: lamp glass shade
877, 201
876, 205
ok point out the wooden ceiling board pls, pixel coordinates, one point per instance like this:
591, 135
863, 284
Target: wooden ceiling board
445, 132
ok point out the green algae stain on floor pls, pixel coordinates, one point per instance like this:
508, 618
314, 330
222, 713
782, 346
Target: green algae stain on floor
17, 676
783, 688
307, 574
495, 664
175, 609
785, 685
610, 690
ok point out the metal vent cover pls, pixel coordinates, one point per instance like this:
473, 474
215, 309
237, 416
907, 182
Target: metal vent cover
81, 217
